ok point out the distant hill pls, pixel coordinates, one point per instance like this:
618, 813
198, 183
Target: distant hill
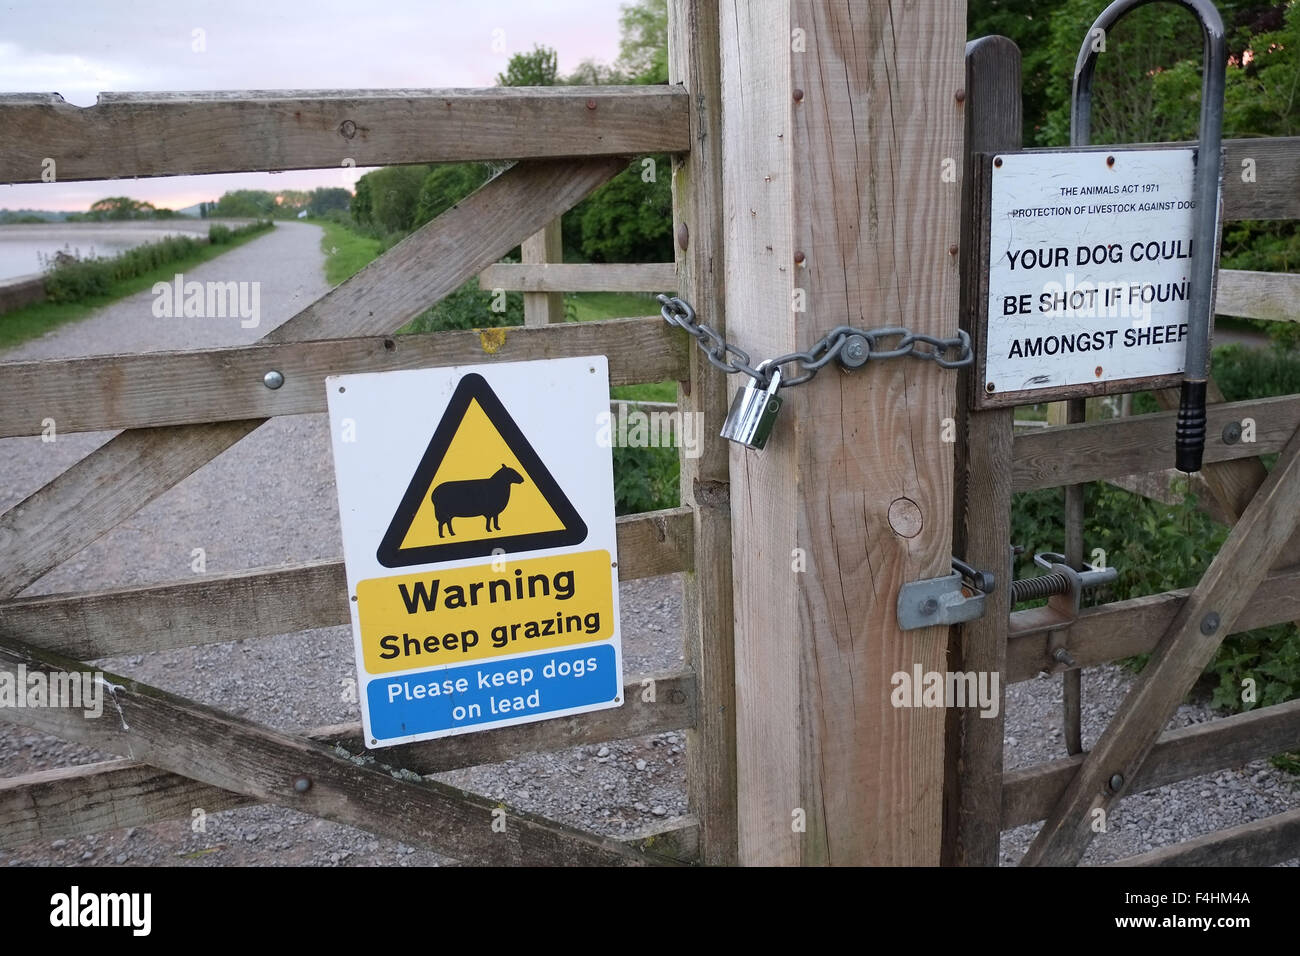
192, 211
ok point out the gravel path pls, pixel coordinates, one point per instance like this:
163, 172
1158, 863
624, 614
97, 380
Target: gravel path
270, 500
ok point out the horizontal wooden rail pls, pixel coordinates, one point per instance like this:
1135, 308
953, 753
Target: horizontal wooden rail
1125, 628
1159, 486
265, 601
229, 752
1261, 178
181, 388
578, 277
73, 801
1028, 795
1067, 454
1264, 842
1272, 296
173, 134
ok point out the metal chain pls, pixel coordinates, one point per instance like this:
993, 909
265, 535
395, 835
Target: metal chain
867, 343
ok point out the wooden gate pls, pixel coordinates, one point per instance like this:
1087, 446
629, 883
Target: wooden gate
1252, 582
179, 410
816, 740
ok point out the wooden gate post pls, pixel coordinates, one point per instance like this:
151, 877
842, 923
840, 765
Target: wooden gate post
706, 611
842, 165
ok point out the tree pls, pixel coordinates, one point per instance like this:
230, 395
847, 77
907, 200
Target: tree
1028, 24
244, 204
362, 202
392, 197
591, 73
643, 42
326, 198
119, 207
629, 219
446, 185
537, 68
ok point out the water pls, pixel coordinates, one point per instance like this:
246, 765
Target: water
21, 247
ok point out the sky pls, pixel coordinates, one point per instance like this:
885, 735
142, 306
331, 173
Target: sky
79, 48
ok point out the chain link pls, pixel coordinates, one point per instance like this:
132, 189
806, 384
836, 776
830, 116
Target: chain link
678, 312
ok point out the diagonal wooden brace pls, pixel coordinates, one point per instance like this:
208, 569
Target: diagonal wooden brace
1250, 550
204, 744
135, 467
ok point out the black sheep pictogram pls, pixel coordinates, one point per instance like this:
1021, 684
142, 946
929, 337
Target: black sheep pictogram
473, 498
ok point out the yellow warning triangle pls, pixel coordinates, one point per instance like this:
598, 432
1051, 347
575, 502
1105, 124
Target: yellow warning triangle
480, 489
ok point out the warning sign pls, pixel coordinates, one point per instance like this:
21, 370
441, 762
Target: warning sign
458, 478
477, 508
1089, 275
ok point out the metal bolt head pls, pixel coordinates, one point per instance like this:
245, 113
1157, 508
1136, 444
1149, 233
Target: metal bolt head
929, 605
1116, 782
273, 379
1232, 433
855, 352
1209, 623
302, 784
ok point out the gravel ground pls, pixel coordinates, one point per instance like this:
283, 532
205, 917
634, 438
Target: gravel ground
270, 500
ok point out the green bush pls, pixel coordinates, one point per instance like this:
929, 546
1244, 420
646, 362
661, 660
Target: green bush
72, 279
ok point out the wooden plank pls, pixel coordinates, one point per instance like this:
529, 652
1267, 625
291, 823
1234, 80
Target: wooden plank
155, 389
837, 190
1125, 628
1181, 754
76, 801
1261, 178
1266, 842
676, 839
1092, 451
543, 308
982, 526
707, 626
1183, 652
1271, 296
172, 134
1232, 484
265, 601
134, 468
581, 277
225, 751
1158, 486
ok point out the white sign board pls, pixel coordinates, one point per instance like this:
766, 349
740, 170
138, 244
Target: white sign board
477, 506
1090, 259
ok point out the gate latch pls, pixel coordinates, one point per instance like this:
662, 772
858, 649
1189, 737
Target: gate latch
952, 599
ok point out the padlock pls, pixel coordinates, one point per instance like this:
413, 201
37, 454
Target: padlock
753, 412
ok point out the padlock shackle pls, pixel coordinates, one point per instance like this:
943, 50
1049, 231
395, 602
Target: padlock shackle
1190, 435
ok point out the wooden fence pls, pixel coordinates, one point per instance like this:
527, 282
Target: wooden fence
1251, 583
179, 410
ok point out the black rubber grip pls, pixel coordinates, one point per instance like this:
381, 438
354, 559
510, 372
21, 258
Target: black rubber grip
1189, 440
